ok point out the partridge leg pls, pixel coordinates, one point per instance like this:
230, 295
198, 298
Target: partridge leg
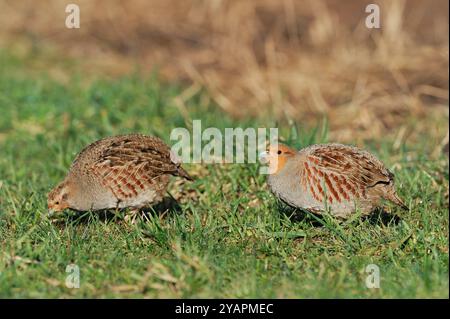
132, 215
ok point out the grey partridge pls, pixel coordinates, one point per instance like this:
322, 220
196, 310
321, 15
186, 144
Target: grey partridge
117, 172
334, 177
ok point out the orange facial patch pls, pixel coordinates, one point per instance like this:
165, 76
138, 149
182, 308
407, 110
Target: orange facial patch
278, 156
277, 164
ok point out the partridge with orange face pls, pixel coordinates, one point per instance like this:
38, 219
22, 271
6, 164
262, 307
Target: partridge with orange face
117, 172
337, 177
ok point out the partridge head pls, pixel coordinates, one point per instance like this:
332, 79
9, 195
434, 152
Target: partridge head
117, 172
334, 177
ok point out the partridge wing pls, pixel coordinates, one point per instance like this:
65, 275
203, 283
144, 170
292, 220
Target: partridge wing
129, 166
342, 173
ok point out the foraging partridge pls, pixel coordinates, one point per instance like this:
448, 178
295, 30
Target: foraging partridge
117, 172
337, 177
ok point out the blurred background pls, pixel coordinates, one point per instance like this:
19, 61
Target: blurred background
285, 59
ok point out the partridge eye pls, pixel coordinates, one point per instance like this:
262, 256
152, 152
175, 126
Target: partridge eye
279, 152
57, 203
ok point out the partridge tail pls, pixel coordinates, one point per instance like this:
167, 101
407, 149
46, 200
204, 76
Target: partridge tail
181, 172
394, 198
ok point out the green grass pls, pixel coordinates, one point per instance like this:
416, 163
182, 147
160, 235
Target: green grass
229, 239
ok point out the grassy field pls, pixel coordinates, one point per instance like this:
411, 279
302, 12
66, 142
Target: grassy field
228, 237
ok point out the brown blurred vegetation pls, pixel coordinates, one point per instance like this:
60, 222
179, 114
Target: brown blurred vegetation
297, 60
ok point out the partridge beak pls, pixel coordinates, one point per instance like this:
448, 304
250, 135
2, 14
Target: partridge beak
51, 212
264, 157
